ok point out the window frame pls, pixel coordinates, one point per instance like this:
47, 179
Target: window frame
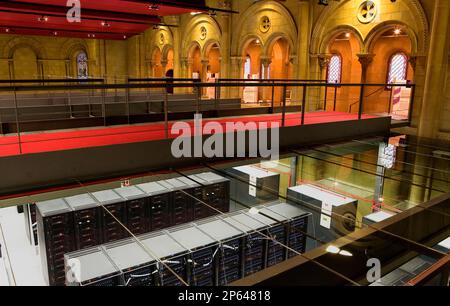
338, 55
389, 66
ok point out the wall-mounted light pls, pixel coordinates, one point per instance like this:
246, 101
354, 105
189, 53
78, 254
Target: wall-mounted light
397, 31
347, 35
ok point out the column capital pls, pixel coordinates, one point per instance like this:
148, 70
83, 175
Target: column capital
324, 60
266, 61
365, 59
205, 61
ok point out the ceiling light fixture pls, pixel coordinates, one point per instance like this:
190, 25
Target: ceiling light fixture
347, 35
397, 31
153, 7
43, 19
7, 30
105, 24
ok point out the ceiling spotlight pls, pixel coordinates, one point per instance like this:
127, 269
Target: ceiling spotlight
43, 19
7, 30
55, 33
105, 24
124, 37
153, 7
91, 35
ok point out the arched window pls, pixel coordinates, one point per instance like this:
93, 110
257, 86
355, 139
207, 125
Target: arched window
82, 66
398, 67
335, 69
247, 68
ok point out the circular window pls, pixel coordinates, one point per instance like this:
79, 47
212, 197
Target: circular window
367, 11
203, 33
265, 24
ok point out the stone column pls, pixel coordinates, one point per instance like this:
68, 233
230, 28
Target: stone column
365, 59
434, 90
164, 67
265, 93
237, 63
303, 40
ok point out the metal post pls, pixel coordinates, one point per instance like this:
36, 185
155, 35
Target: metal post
17, 122
104, 106
199, 96
127, 101
217, 94
326, 94
166, 113
272, 107
283, 120
361, 100
411, 103
390, 100
70, 103
303, 104
335, 97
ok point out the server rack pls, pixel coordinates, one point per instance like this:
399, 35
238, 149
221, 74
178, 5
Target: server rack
157, 205
377, 217
296, 226
137, 266
254, 243
229, 259
333, 214
181, 203
254, 186
135, 209
87, 221
216, 193
91, 267
56, 237
111, 227
202, 252
169, 252
29, 212
275, 250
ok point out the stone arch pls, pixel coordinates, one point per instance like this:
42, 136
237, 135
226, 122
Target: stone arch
214, 33
332, 34
285, 24
273, 39
24, 42
209, 44
412, 15
71, 47
153, 42
247, 40
378, 30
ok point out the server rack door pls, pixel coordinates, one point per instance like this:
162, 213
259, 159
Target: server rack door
59, 239
136, 216
181, 208
229, 263
254, 257
140, 276
178, 266
159, 212
199, 209
297, 237
217, 196
276, 252
201, 267
87, 228
111, 228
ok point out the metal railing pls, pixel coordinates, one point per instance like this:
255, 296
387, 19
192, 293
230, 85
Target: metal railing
99, 103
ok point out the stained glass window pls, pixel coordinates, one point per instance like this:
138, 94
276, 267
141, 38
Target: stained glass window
335, 69
398, 65
82, 66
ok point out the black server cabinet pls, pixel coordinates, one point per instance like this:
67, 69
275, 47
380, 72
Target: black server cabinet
181, 201
333, 214
157, 205
138, 267
91, 267
377, 217
275, 251
56, 237
112, 208
296, 221
216, 193
171, 255
252, 186
254, 244
229, 257
137, 219
202, 251
87, 221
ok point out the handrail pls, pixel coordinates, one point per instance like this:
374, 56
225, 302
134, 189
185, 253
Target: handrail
180, 85
443, 263
53, 81
369, 95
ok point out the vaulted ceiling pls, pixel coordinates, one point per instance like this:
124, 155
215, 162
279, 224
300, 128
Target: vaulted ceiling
100, 19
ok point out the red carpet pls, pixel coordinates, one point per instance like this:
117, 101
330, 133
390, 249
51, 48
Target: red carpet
75, 139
